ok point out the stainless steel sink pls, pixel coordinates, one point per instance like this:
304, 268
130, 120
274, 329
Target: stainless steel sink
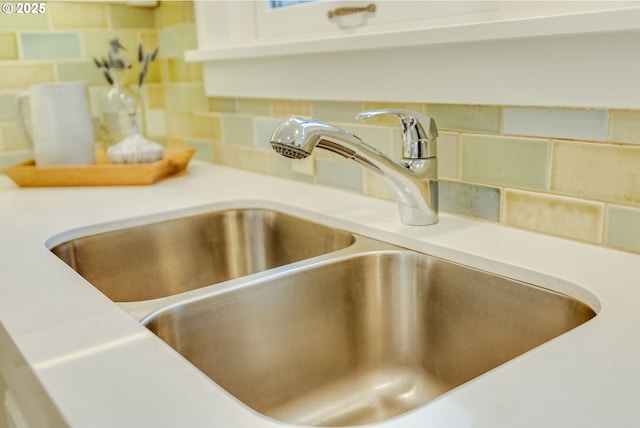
361, 337
170, 257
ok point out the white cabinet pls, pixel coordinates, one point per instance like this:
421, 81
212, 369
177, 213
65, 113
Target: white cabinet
562, 53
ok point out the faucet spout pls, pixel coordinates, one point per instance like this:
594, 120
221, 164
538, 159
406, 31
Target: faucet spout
413, 181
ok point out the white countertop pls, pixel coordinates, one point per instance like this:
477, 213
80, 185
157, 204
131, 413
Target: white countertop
102, 369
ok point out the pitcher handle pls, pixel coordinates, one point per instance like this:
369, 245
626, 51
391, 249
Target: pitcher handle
19, 111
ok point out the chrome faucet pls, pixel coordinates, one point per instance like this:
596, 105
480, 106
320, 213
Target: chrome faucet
413, 179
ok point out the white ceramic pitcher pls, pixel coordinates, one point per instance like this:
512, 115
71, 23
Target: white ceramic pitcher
60, 122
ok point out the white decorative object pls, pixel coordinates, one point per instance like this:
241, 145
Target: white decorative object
135, 148
60, 123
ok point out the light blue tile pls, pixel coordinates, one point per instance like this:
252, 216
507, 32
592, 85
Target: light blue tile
50, 46
347, 174
557, 123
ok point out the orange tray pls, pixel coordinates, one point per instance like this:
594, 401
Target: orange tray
103, 173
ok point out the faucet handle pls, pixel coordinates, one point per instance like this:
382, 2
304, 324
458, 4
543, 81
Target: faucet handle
419, 131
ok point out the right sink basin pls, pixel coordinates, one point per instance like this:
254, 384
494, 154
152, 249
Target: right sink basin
361, 337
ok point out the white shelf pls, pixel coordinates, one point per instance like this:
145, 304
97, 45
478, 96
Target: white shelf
563, 25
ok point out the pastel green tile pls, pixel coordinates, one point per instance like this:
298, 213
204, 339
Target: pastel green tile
339, 173
448, 151
204, 149
514, 162
123, 16
263, 128
75, 15
379, 137
178, 122
623, 228
624, 126
466, 117
556, 215
24, 22
604, 172
174, 41
222, 105
96, 42
7, 106
8, 46
237, 130
470, 200
50, 46
13, 157
283, 167
253, 106
169, 42
577, 124
336, 111
80, 71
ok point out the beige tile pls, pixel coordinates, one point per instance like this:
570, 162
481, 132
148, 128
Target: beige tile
8, 46
283, 108
448, 155
26, 22
222, 105
206, 126
154, 96
23, 75
174, 13
507, 161
598, 171
374, 185
123, 16
252, 159
76, 15
178, 123
13, 138
96, 42
186, 96
173, 141
254, 106
555, 215
149, 39
336, 111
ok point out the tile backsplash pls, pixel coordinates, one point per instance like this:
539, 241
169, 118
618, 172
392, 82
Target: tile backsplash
568, 172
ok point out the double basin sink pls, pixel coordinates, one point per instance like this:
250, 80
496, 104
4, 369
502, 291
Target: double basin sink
314, 325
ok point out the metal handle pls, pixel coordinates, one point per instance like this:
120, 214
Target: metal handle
343, 11
419, 132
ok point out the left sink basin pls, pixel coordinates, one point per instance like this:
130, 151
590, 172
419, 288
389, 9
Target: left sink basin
173, 256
